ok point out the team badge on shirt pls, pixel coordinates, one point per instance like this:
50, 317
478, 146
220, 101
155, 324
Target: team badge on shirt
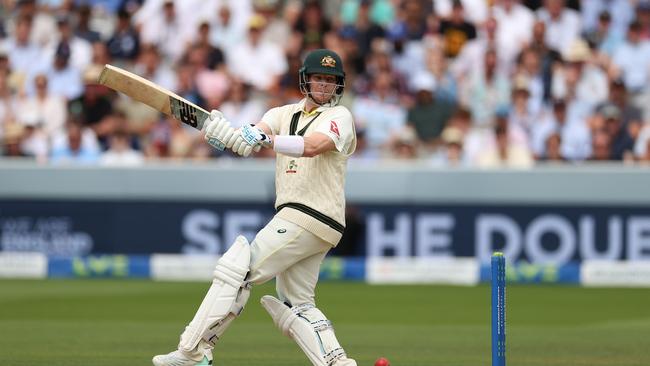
291, 168
334, 128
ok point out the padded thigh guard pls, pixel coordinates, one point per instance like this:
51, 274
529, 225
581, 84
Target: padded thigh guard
308, 327
224, 301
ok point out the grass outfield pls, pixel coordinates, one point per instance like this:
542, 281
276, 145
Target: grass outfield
125, 322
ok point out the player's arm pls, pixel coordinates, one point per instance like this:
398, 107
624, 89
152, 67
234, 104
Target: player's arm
298, 146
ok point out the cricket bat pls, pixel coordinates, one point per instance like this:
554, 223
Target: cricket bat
153, 95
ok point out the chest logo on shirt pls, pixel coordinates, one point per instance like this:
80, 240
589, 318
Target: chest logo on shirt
291, 168
334, 128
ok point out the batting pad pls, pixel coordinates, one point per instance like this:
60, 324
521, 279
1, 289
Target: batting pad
308, 327
224, 301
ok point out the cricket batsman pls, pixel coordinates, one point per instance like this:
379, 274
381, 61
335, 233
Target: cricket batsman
313, 140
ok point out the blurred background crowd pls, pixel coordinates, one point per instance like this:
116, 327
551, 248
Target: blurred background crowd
482, 83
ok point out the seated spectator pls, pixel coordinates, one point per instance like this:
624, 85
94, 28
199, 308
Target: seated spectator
120, 153
505, 153
621, 141
552, 122
124, 44
244, 59
12, 139
64, 80
552, 150
476, 10
380, 113
579, 77
83, 29
151, 66
600, 146
515, 26
239, 108
631, 61
455, 30
77, 145
486, 91
404, 146
451, 153
604, 37
563, 25
429, 116
45, 109
25, 57
80, 50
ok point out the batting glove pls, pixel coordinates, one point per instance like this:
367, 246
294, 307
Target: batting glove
217, 130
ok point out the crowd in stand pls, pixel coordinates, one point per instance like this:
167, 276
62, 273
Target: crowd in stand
483, 83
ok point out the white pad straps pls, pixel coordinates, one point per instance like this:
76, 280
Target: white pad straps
224, 301
308, 327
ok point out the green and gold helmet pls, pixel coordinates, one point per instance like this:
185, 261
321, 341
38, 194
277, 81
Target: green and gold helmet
323, 61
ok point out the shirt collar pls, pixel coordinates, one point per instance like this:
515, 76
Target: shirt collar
301, 106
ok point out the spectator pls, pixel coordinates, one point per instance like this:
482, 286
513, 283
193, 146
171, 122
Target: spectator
552, 150
530, 69
515, 25
563, 25
240, 107
451, 153
549, 59
80, 50
42, 23
64, 79
601, 146
620, 139
83, 29
505, 153
604, 37
166, 31
473, 53
77, 145
244, 59
552, 122
93, 109
477, 10
25, 57
621, 14
150, 65
631, 61
380, 114
120, 153
486, 91
45, 109
312, 25
455, 30
411, 23
579, 79
124, 44
224, 32
429, 116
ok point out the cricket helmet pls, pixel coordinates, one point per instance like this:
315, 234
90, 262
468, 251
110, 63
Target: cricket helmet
323, 61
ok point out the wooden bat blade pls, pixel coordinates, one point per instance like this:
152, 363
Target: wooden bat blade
153, 95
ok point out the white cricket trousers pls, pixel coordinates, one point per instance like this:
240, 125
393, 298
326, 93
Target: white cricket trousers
292, 255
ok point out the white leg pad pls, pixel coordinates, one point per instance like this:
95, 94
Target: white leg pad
224, 301
308, 327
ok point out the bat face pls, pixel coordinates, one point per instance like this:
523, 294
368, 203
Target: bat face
154, 96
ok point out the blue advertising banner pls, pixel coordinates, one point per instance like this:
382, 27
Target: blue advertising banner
535, 234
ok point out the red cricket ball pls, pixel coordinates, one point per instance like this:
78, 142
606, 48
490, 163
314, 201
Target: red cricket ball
381, 361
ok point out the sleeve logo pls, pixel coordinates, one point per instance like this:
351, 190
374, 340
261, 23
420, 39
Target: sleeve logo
334, 128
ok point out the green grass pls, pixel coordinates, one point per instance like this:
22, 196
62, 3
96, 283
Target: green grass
125, 322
